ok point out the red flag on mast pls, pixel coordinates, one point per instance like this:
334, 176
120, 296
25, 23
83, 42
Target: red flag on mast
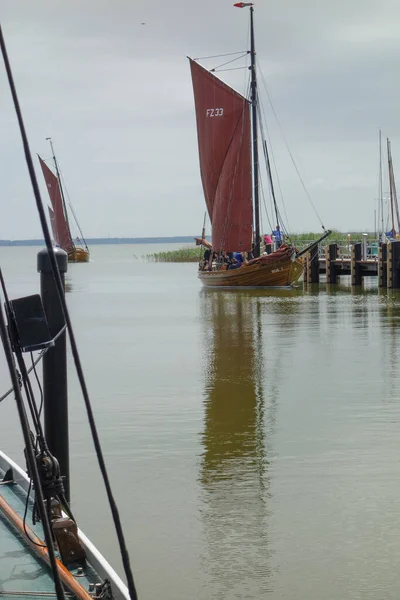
243, 4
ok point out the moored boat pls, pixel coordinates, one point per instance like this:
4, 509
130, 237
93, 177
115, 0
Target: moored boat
228, 136
279, 269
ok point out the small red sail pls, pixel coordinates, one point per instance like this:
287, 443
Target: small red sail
61, 233
224, 140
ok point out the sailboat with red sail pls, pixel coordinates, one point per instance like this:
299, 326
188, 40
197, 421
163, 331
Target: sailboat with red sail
227, 132
77, 250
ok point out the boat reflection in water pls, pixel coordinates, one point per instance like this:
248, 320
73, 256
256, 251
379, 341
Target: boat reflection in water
236, 446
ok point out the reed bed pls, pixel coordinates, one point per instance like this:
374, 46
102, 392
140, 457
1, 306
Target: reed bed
180, 255
193, 254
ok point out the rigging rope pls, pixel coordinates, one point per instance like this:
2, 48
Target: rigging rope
266, 156
228, 62
39, 358
48, 466
72, 208
289, 151
224, 70
243, 52
74, 349
265, 203
26, 433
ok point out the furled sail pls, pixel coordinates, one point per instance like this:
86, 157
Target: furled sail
61, 232
224, 140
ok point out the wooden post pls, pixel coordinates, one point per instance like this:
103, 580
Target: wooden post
364, 250
389, 269
327, 263
382, 267
331, 253
55, 389
355, 264
393, 264
314, 265
306, 267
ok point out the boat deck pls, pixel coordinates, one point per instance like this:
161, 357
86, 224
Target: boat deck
22, 573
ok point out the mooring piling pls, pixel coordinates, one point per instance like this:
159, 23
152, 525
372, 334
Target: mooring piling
55, 392
382, 260
382, 265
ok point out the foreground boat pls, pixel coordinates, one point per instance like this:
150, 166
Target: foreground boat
227, 131
43, 552
59, 215
84, 579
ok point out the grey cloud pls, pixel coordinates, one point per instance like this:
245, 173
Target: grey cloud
116, 96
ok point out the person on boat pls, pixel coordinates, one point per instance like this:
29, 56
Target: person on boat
233, 264
206, 259
278, 236
239, 259
229, 258
268, 243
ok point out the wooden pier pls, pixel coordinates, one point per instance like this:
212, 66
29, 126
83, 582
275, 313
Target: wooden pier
356, 263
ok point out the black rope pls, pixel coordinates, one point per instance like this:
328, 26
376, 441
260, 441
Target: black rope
32, 368
228, 62
25, 514
232, 69
28, 445
62, 181
220, 55
290, 152
74, 349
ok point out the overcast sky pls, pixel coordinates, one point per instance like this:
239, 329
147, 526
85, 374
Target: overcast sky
116, 96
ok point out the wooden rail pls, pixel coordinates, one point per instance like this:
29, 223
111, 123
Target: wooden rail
385, 266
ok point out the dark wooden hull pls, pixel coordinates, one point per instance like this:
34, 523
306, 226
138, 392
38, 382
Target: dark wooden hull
280, 269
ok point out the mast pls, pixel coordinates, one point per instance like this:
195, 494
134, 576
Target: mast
61, 189
255, 135
381, 184
391, 183
256, 246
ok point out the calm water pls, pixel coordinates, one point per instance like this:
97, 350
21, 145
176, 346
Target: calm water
252, 438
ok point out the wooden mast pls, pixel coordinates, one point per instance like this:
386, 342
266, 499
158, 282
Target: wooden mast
255, 134
381, 186
254, 108
391, 184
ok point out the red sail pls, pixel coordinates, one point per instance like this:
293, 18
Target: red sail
62, 235
224, 139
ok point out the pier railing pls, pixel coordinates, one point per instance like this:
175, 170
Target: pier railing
343, 248
358, 259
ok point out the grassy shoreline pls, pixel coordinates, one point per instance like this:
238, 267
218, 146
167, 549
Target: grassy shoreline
193, 253
187, 254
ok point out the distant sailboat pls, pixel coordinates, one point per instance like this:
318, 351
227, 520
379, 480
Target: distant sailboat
77, 252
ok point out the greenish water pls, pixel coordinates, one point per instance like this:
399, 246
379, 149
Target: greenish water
252, 438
